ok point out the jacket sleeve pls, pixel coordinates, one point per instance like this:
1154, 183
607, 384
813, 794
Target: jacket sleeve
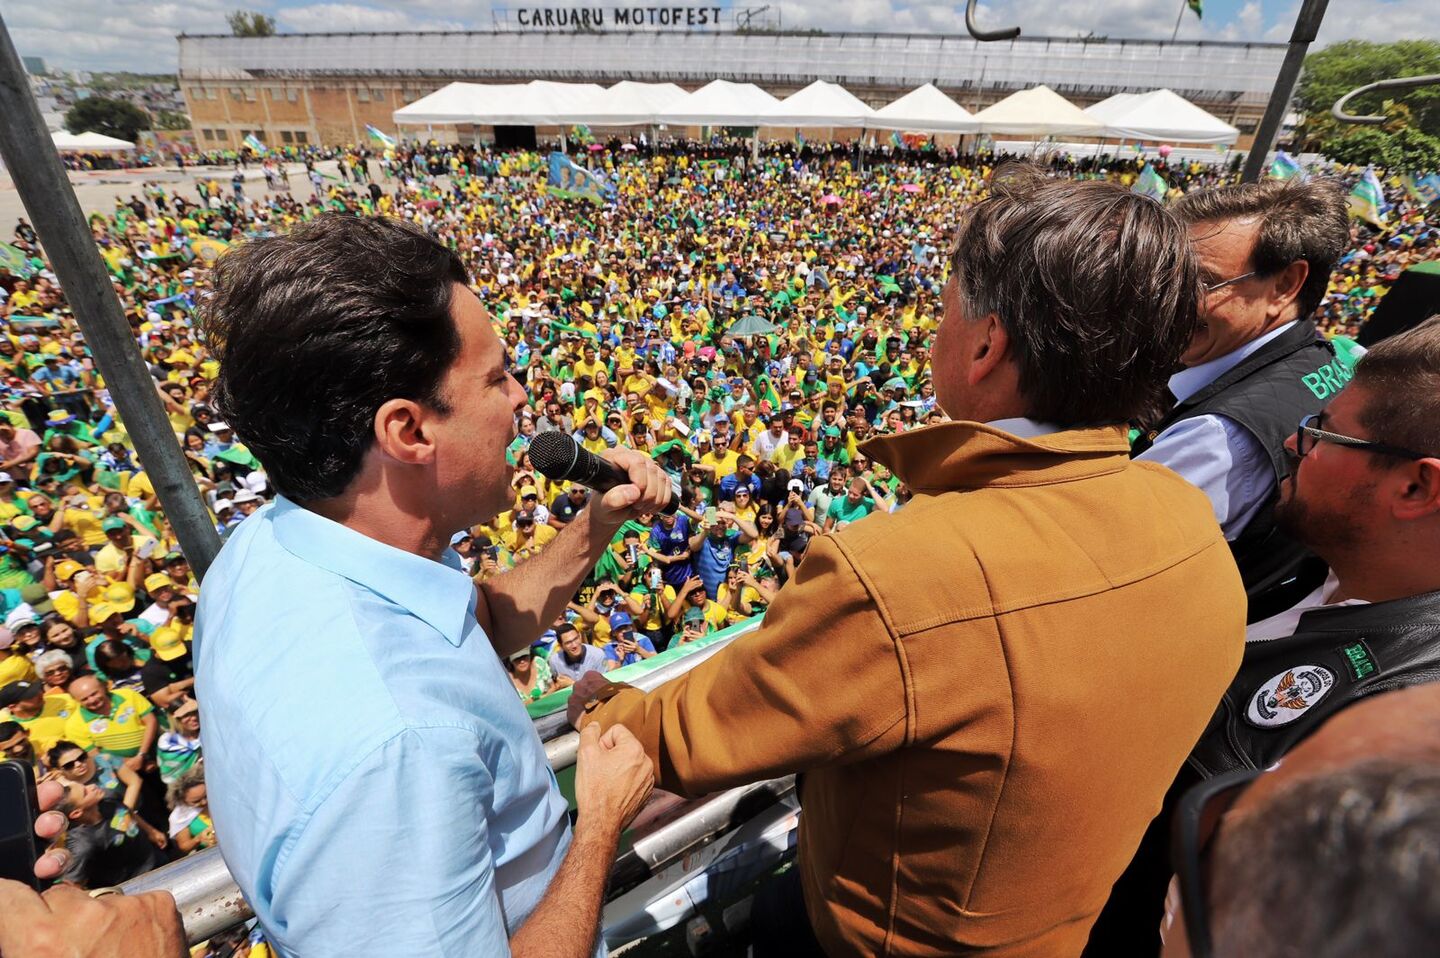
822, 681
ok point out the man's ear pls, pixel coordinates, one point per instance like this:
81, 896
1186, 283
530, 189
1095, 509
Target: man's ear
991, 349
1287, 285
1420, 495
401, 431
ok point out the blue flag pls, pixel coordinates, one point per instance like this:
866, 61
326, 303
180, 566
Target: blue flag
1367, 199
387, 141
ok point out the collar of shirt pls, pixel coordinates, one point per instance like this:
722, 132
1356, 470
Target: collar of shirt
1188, 382
971, 455
1023, 427
438, 593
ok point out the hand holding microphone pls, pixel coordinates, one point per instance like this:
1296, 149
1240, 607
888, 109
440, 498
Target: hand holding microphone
631, 482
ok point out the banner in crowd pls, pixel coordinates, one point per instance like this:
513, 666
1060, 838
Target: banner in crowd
208, 248
252, 141
1151, 184
1367, 199
386, 141
1283, 167
1425, 189
573, 181
13, 258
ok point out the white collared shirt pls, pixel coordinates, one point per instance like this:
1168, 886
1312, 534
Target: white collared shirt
1215, 453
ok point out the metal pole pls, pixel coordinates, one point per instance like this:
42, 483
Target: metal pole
1178, 17
55, 213
1306, 25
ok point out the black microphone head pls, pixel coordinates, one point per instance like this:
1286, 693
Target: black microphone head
555, 455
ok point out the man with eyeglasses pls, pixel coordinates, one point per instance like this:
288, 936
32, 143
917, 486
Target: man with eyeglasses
1365, 497
1254, 367
1363, 493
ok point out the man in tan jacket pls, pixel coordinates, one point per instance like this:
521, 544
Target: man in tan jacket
988, 691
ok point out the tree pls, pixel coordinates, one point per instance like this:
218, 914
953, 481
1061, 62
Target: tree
1403, 151
110, 117
1341, 67
249, 23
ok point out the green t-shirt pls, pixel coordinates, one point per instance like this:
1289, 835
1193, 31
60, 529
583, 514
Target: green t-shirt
843, 511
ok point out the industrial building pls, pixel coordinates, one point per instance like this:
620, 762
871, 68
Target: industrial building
324, 88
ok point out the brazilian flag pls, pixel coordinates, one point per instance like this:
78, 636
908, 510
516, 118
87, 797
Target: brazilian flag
1198, 7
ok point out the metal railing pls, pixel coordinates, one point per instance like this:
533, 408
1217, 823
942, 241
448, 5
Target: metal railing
210, 901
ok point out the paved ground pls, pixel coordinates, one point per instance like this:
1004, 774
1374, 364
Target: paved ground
97, 191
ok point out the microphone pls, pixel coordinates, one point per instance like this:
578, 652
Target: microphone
560, 458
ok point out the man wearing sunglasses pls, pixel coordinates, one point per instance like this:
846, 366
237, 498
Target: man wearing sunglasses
1254, 367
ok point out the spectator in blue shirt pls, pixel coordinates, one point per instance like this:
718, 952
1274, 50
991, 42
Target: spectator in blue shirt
713, 546
670, 547
626, 646
743, 476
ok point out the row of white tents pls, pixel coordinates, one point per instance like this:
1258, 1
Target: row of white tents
89, 143
1039, 111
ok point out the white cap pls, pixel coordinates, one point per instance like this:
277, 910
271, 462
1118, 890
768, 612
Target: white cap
223, 505
218, 426
246, 495
6, 477
795, 485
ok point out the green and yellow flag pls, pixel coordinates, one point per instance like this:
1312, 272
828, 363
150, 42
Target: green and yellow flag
1198, 7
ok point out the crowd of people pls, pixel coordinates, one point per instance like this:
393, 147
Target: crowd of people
748, 324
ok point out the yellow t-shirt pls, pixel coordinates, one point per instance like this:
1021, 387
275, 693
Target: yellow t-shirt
140, 487
119, 733
111, 562
521, 549
724, 465
16, 668
86, 525
47, 728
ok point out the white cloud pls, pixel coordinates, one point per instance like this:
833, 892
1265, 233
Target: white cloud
140, 35
339, 17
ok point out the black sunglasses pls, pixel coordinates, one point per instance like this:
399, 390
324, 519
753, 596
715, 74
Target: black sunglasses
1308, 435
1197, 820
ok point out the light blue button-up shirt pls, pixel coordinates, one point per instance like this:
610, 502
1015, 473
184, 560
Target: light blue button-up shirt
1216, 454
376, 784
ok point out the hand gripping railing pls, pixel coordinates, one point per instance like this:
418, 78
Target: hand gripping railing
210, 902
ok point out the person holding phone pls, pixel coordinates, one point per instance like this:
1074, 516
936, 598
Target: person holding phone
625, 647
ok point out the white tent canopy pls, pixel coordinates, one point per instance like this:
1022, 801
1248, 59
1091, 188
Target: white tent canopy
629, 103
821, 104
1160, 115
1040, 111
923, 110
538, 103
721, 103
89, 142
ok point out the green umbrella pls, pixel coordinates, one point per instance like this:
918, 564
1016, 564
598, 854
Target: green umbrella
751, 325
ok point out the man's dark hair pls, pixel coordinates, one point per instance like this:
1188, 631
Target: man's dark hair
112, 649
1299, 220
9, 730
316, 329
1401, 376
1336, 864
1098, 288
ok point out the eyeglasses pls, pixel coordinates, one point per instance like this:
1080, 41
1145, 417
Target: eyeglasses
73, 763
1197, 819
1308, 435
1212, 287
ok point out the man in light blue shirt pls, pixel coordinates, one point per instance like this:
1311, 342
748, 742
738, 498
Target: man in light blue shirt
376, 785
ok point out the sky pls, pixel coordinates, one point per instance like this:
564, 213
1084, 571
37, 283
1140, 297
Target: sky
139, 35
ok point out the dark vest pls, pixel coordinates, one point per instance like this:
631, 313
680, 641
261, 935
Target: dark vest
1292, 376
1286, 688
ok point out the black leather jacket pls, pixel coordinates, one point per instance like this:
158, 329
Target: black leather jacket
1286, 688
